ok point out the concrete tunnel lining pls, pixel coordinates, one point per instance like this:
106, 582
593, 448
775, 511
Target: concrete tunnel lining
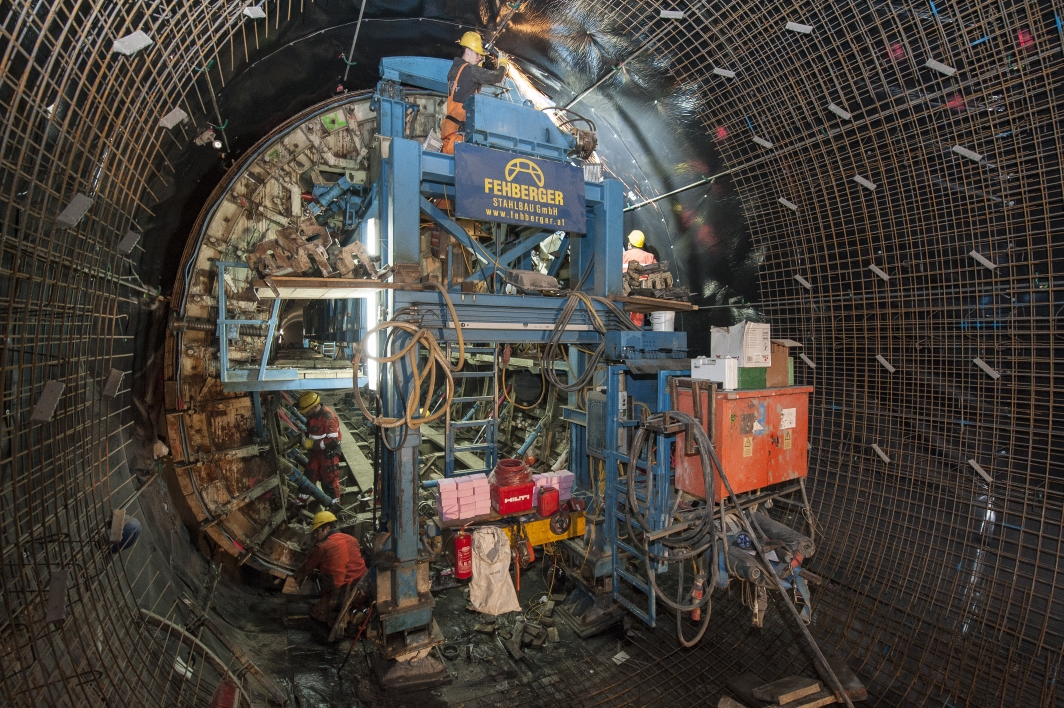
862, 236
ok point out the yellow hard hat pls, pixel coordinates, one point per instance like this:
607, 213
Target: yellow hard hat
307, 401
636, 239
472, 40
322, 518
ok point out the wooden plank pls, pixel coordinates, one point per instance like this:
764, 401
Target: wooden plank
295, 288
118, 521
361, 468
787, 689
637, 303
471, 461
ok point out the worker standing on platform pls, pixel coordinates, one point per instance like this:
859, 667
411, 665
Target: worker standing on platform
465, 78
322, 443
338, 559
635, 252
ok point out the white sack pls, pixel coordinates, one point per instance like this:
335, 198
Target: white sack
491, 591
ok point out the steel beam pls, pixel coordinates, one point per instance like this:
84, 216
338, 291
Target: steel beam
510, 256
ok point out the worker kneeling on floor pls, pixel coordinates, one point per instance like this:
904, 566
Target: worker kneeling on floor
338, 560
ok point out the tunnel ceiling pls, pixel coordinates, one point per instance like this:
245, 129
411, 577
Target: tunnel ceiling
898, 169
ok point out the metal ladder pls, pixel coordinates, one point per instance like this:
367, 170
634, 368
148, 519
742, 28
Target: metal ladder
482, 416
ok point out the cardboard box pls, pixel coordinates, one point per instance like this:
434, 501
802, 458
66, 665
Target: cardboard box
750, 342
751, 377
724, 371
778, 371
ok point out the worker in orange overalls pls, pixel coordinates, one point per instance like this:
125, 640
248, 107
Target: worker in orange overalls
338, 559
322, 443
636, 240
465, 78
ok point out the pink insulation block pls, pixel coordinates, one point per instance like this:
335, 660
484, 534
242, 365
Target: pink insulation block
447, 511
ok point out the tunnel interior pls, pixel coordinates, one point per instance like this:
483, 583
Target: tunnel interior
880, 182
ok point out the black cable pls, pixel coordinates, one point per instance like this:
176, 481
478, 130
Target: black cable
696, 537
705, 524
688, 643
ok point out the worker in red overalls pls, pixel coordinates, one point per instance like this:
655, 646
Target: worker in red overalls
322, 443
634, 252
465, 78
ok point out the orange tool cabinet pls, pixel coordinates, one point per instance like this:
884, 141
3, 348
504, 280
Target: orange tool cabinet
761, 438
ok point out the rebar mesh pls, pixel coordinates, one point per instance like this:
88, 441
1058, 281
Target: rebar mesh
80, 119
923, 211
904, 210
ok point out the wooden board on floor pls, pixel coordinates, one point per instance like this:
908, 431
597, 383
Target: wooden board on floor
360, 466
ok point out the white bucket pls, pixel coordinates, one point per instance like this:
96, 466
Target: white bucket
663, 320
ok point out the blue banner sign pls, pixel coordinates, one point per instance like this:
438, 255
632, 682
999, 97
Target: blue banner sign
491, 185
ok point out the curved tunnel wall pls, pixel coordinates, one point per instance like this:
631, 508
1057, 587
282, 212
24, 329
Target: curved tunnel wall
935, 460
899, 168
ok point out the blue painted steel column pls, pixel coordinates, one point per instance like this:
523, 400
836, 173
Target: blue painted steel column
578, 463
402, 506
559, 257
271, 329
403, 232
609, 239
401, 608
612, 457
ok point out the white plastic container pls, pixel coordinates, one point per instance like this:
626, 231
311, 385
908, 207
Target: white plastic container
663, 320
724, 371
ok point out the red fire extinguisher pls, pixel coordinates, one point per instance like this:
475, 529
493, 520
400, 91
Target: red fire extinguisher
463, 555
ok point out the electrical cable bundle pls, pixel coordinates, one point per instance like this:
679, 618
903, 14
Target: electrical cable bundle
550, 351
510, 471
697, 542
411, 351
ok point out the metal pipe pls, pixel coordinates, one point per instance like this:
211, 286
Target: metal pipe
532, 435
305, 485
699, 183
182, 324
823, 667
350, 55
609, 74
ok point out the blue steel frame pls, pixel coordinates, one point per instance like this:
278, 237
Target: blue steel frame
408, 178
240, 380
659, 485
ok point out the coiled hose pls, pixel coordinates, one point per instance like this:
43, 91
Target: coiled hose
419, 337
698, 543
